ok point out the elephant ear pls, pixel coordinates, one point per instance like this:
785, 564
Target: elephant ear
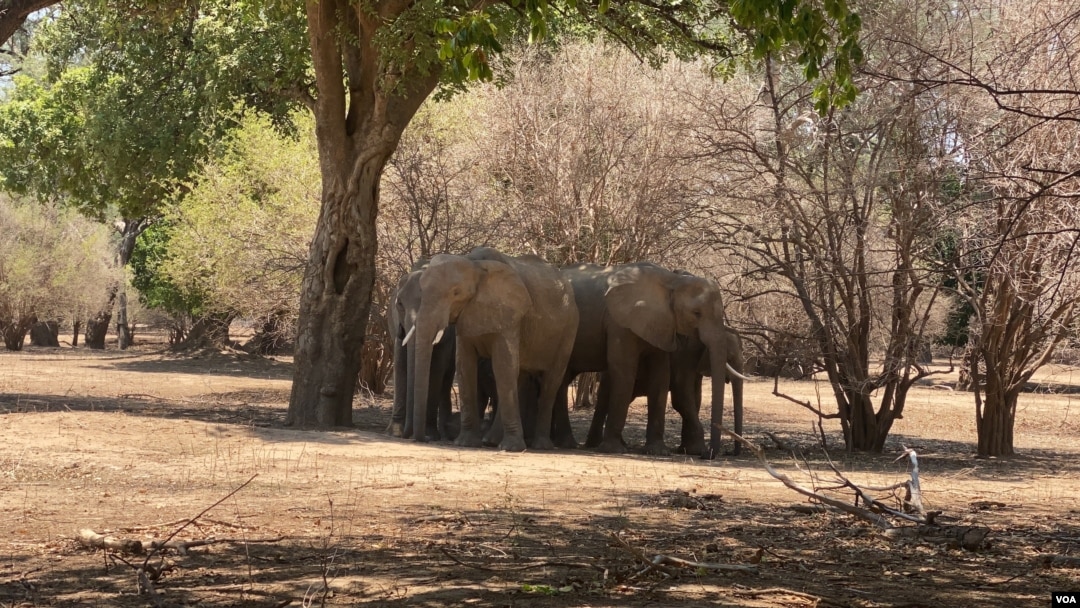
500, 302
640, 300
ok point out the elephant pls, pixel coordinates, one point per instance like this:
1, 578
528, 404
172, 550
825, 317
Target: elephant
631, 317
404, 306
689, 363
517, 311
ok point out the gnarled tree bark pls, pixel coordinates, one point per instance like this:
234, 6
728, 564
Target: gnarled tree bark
357, 129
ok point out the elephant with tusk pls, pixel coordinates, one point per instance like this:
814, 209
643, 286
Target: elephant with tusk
518, 312
633, 317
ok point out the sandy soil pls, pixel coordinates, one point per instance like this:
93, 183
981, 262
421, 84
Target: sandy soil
134, 443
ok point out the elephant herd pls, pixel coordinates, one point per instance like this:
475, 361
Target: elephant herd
516, 331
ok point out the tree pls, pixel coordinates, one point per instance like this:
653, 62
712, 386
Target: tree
51, 262
156, 289
239, 238
132, 105
1012, 98
831, 215
393, 55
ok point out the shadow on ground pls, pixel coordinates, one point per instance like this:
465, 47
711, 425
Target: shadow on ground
512, 556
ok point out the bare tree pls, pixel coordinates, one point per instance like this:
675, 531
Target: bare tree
832, 216
584, 153
1009, 74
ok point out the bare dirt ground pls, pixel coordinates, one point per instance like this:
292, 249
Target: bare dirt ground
132, 443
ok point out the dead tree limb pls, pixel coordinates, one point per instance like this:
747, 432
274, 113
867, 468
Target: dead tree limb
863, 514
913, 500
93, 540
660, 561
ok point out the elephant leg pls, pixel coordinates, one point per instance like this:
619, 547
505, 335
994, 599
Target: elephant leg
716, 418
469, 436
506, 363
686, 399
562, 433
486, 392
600, 412
494, 433
549, 387
431, 412
528, 398
658, 375
445, 405
402, 386
622, 371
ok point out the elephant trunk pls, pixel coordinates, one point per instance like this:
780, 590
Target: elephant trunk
716, 416
737, 409
429, 325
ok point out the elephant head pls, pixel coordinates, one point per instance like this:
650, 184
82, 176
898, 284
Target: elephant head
478, 296
656, 304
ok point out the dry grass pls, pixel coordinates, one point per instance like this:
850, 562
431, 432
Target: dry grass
111, 441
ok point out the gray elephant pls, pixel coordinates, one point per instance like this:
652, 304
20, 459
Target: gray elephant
519, 312
631, 317
404, 306
689, 364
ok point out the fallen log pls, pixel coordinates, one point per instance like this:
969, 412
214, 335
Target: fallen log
93, 540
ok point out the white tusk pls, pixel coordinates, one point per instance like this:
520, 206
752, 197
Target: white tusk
438, 337
408, 336
735, 373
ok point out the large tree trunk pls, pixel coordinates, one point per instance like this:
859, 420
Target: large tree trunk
14, 331
129, 233
97, 326
357, 129
45, 333
209, 331
334, 304
995, 427
995, 415
76, 325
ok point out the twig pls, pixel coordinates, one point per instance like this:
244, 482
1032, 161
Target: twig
544, 564
649, 565
783, 591
193, 519
685, 563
